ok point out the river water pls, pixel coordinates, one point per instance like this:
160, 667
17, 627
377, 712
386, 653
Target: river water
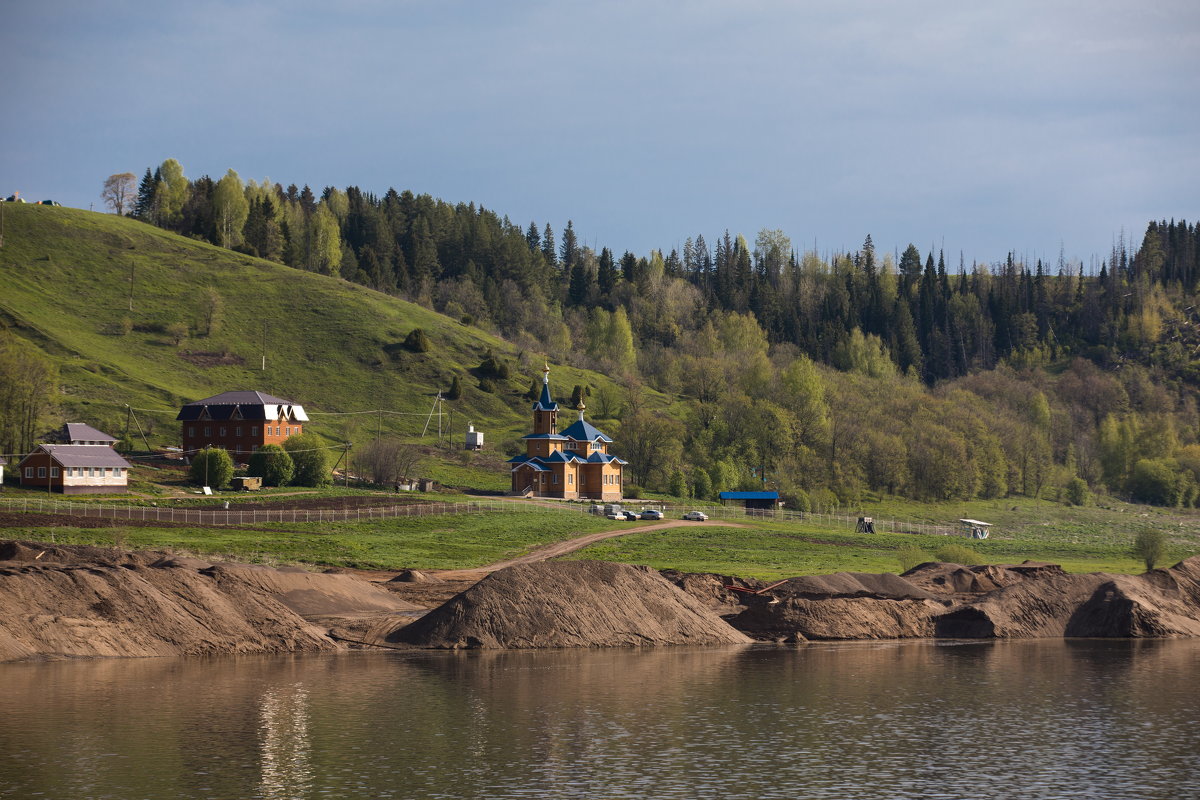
1053, 719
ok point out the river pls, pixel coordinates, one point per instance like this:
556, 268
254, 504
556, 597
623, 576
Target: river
1028, 719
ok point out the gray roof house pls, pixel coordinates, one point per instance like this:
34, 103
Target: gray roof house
75, 469
79, 433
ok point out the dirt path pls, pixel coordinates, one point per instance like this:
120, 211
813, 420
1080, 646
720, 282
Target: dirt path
569, 546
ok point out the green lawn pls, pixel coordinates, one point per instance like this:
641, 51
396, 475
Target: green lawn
784, 549
441, 541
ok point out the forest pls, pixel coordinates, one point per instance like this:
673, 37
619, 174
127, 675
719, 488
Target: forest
822, 375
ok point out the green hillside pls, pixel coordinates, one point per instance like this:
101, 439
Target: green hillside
68, 279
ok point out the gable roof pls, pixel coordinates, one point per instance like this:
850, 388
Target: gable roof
81, 455
79, 432
583, 431
242, 405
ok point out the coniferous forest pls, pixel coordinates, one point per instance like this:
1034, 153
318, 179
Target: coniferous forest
824, 375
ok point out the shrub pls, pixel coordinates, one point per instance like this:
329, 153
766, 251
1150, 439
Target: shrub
958, 554
910, 556
632, 491
1155, 481
487, 385
311, 460
799, 501
211, 467
273, 464
417, 341
1148, 547
177, 331
1077, 492
495, 367
455, 390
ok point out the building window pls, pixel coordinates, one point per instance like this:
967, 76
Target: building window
571, 479
29, 472
41, 472
289, 431
116, 472
53, 472
191, 431
554, 479
238, 432
207, 432
254, 431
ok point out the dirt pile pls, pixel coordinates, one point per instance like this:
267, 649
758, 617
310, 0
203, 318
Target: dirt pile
843, 605
63, 601
569, 604
1162, 602
940, 578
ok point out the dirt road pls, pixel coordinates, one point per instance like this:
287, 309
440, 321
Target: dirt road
571, 545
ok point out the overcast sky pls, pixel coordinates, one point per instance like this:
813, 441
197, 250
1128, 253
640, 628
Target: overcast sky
1025, 126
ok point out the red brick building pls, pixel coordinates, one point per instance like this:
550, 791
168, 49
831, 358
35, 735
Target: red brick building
240, 422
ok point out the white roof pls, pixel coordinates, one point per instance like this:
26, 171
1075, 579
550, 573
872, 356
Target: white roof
976, 523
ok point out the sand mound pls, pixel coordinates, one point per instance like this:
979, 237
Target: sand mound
955, 579
1163, 602
97, 602
569, 604
843, 605
413, 576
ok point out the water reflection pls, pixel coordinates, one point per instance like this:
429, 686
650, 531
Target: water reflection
286, 767
1092, 719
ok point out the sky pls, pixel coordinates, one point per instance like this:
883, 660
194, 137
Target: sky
1044, 128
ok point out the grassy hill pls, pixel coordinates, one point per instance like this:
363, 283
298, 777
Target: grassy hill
99, 294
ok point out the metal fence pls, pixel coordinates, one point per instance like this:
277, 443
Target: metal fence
237, 517
240, 517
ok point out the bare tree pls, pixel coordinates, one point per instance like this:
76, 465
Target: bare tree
119, 191
387, 460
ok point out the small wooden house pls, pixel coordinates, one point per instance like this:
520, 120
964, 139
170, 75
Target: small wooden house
75, 469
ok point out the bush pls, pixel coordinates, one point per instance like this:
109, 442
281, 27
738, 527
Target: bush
911, 556
1077, 492
311, 460
417, 341
632, 491
455, 390
958, 554
1155, 481
273, 464
1148, 547
487, 385
211, 467
799, 501
494, 367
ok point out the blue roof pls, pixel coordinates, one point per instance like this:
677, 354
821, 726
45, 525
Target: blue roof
545, 402
749, 495
582, 431
521, 459
532, 464
604, 458
557, 437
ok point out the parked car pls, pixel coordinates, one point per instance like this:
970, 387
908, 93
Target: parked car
631, 515
652, 513
696, 516
617, 515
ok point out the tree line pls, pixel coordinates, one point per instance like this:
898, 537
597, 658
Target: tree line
746, 331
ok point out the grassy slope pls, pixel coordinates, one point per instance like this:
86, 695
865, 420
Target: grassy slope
330, 345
